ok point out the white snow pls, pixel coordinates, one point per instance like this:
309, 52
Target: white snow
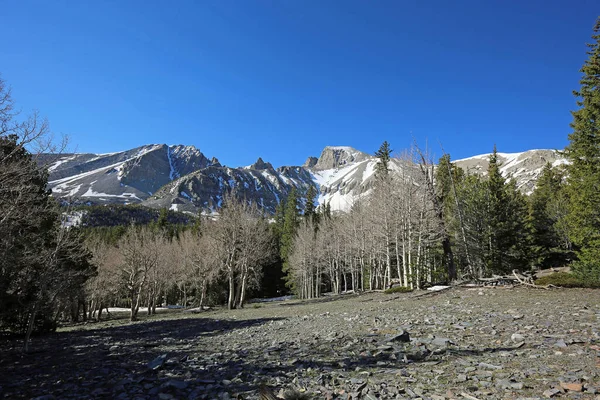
172, 173
438, 288
91, 193
61, 161
83, 175
508, 161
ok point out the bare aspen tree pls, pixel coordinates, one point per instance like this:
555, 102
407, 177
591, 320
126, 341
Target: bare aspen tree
103, 288
140, 258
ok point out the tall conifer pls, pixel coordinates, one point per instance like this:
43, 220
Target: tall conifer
584, 170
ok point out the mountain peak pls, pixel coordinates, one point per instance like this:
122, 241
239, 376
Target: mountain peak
260, 165
338, 156
310, 162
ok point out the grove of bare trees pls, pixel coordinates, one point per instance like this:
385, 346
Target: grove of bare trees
150, 266
420, 224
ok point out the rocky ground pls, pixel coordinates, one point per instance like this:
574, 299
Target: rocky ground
464, 343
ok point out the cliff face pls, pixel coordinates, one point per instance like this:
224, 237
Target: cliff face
338, 156
204, 189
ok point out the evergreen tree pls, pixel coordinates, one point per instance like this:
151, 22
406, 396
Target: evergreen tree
506, 230
547, 209
583, 152
384, 154
472, 192
494, 214
497, 199
310, 214
443, 184
40, 261
290, 224
162, 224
277, 227
197, 226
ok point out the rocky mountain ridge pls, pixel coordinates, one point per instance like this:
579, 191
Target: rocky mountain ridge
182, 178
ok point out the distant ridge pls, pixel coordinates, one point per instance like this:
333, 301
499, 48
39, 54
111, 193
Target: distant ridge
181, 178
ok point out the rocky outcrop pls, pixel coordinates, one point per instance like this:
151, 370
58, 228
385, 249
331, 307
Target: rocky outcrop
260, 165
338, 156
204, 189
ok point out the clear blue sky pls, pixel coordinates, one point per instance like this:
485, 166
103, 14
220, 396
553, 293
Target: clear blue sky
282, 79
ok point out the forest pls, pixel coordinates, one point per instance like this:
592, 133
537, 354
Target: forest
434, 223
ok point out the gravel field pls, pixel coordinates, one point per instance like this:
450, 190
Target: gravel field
463, 343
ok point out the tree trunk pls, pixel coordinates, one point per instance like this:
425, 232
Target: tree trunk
231, 300
99, 312
243, 291
30, 326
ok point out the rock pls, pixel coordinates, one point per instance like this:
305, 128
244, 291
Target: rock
517, 385
177, 384
157, 362
572, 387
560, 343
504, 384
551, 393
441, 342
517, 338
404, 337
489, 366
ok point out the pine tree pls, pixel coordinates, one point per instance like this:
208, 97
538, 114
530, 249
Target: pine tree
494, 214
506, 230
309, 209
584, 170
384, 154
547, 208
496, 203
290, 224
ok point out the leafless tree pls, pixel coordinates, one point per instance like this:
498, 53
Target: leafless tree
103, 288
240, 242
140, 259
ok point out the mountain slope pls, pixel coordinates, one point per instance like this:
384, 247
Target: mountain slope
204, 189
182, 178
123, 177
524, 167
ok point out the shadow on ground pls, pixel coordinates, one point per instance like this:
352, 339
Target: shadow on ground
65, 362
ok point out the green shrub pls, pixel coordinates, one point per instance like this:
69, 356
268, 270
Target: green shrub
398, 289
564, 279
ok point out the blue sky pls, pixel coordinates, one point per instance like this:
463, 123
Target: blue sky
283, 79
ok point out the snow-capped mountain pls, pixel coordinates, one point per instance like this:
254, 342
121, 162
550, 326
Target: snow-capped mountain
204, 189
124, 177
524, 167
182, 178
